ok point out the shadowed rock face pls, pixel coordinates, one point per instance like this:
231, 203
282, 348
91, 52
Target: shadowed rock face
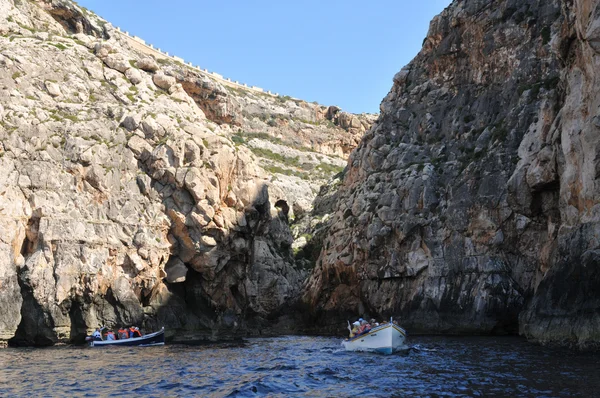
473, 200
72, 18
136, 191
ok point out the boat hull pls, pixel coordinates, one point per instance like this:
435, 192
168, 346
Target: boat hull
152, 339
384, 339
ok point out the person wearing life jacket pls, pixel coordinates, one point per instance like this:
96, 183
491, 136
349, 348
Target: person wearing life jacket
134, 332
123, 334
110, 335
364, 326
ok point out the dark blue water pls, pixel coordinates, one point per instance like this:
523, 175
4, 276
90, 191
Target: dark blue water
304, 366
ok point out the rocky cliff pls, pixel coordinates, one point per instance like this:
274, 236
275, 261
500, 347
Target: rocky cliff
472, 204
136, 190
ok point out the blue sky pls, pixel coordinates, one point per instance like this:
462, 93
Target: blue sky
335, 52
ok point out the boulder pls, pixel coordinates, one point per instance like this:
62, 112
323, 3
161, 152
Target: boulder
134, 75
53, 88
147, 64
132, 121
163, 81
117, 62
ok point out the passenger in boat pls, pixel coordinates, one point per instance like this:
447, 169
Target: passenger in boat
354, 331
110, 335
361, 322
134, 332
97, 335
123, 334
364, 326
374, 323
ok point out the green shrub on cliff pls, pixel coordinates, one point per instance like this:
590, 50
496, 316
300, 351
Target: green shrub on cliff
328, 168
268, 154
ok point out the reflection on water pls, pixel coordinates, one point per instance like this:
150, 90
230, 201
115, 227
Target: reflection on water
304, 366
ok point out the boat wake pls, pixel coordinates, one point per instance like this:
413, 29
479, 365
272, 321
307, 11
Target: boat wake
418, 347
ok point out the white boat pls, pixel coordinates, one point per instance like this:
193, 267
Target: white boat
385, 339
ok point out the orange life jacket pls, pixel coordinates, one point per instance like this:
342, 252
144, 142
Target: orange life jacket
134, 333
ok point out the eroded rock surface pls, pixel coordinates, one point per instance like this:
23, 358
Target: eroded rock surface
471, 206
128, 197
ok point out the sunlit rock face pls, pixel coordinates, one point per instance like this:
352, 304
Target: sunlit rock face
136, 190
471, 206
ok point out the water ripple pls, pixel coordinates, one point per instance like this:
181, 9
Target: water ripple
303, 366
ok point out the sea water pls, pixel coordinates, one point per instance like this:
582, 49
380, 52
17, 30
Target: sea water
304, 366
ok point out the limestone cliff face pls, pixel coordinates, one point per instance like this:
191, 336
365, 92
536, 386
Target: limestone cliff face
136, 191
471, 206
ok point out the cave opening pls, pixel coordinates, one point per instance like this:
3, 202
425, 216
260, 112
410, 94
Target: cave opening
283, 208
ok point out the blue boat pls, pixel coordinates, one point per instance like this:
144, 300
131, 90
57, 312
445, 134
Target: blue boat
152, 339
